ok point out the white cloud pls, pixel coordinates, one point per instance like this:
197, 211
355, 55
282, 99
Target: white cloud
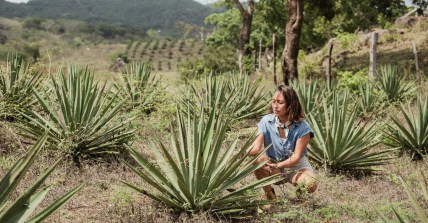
17, 1
205, 1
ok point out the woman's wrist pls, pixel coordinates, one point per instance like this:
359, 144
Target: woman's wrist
278, 165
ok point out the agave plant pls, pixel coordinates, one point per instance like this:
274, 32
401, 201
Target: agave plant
339, 143
194, 173
410, 135
22, 208
138, 87
366, 101
310, 95
420, 213
80, 117
392, 83
237, 98
16, 84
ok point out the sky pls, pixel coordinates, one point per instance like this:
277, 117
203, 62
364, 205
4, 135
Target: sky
201, 1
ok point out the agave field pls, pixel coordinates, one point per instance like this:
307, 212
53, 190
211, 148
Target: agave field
137, 149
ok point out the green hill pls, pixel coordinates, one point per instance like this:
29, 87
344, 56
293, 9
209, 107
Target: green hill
161, 15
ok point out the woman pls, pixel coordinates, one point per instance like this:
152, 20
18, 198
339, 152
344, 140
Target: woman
287, 135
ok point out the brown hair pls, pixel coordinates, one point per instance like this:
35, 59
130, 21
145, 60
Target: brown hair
294, 108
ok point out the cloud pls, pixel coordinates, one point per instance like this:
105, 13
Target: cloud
17, 1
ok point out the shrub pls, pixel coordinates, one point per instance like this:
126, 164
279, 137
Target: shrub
194, 173
346, 39
411, 134
310, 94
229, 95
352, 81
191, 69
138, 88
368, 100
308, 67
341, 145
16, 84
81, 118
33, 23
393, 84
220, 59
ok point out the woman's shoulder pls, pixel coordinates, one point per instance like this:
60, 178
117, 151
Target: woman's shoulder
303, 124
267, 118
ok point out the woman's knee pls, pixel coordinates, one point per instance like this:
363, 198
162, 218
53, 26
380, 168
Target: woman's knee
307, 179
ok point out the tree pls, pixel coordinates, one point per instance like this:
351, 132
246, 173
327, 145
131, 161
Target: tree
293, 30
244, 37
422, 4
226, 28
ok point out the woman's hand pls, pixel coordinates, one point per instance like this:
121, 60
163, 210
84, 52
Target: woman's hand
271, 166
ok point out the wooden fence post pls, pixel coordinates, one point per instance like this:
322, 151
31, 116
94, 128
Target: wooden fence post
373, 55
328, 66
418, 71
260, 55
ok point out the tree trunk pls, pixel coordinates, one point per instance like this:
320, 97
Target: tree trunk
244, 38
274, 59
293, 30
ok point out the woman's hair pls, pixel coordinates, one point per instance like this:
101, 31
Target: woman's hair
294, 108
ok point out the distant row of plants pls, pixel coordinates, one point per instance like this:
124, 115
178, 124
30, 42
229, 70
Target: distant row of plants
158, 46
198, 170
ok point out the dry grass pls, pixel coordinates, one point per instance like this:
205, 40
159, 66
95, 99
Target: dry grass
339, 198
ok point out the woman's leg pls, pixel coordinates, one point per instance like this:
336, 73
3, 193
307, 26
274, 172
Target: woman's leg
261, 173
307, 178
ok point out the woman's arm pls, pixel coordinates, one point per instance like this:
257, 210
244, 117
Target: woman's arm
257, 145
301, 144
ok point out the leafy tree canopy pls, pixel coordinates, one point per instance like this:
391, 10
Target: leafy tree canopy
324, 19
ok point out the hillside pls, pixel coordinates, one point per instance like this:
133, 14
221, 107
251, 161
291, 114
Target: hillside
351, 52
160, 15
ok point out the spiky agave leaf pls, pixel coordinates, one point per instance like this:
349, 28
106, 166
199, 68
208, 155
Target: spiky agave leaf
16, 84
310, 94
237, 98
80, 116
23, 207
392, 83
341, 145
367, 101
410, 135
422, 215
195, 172
138, 86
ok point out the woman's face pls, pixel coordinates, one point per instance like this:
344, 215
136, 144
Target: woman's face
278, 105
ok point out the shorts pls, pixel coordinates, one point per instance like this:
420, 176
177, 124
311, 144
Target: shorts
302, 164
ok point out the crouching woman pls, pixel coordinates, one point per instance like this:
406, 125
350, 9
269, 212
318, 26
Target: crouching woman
287, 134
